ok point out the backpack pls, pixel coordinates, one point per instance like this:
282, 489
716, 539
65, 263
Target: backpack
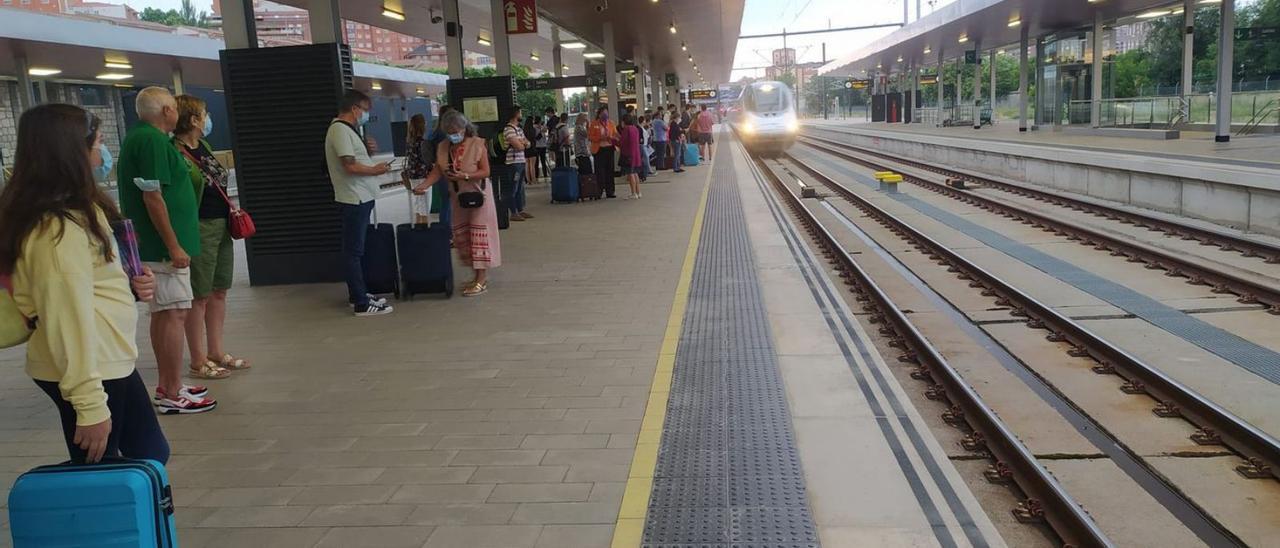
498, 144
15, 328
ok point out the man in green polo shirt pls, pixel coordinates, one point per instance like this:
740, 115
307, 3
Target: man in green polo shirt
157, 193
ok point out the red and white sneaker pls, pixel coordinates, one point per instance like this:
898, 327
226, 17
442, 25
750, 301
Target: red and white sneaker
193, 392
184, 405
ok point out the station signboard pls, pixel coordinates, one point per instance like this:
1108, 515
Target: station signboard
534, 84
1257, 33
929, 79
670, 80
521, 16
703, 95
857, 83
971, 57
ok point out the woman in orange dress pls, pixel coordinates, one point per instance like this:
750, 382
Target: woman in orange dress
463, 160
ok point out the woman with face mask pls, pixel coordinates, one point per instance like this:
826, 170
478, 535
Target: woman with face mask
211, 271
463, 160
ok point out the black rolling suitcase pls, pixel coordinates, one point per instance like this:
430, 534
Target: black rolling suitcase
426, 264
381, 271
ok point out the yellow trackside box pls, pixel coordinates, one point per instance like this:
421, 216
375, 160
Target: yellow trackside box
880, 175
891, 178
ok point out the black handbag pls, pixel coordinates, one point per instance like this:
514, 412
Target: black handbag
470, 200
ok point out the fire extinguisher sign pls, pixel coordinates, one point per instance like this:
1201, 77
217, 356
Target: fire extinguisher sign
522, 16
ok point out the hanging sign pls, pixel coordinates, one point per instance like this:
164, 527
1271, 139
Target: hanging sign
702, 94
1244, 34
522, 16
670, 80
929, 79
856, 83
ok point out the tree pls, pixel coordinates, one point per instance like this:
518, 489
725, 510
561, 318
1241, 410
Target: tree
531, 101
187, 16
1132, 71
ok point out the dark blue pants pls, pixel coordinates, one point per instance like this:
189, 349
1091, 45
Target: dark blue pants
355, 226
659, 154
135, 432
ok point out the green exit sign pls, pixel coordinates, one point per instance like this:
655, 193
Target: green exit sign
971, 57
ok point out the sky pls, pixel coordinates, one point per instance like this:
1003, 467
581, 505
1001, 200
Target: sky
772, 16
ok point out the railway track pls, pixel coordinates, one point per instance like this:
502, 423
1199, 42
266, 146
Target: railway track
1214, 425
1247, 289
1224, 240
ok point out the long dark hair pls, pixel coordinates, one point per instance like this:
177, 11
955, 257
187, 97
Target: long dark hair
52, 177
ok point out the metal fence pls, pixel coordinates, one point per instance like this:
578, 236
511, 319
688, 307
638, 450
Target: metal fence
1247, 107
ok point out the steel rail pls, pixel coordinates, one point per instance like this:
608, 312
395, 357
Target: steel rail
1249, 291
1047, 498
1228, 242
1215, 424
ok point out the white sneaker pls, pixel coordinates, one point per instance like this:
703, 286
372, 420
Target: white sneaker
374, 310
183, 405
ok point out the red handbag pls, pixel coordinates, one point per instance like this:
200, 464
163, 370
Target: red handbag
239, 223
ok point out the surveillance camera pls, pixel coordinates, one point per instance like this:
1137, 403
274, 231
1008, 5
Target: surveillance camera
435, 17
603, 5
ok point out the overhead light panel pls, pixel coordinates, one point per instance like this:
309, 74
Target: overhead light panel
963, 38
376, 86
899, 58
420, 91
684, 47
392, 14
114, 76
928, 50
43, 71
564, 68
672, 28
118, 65
1015, 23
1153, 14
593, 55
483, 40
573, 45
533, 55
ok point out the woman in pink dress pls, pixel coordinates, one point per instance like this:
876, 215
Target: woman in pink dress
631, 159
462, 159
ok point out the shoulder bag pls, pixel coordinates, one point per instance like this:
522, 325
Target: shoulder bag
239, 223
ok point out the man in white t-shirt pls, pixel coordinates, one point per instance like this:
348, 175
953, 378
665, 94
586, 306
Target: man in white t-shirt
355, 187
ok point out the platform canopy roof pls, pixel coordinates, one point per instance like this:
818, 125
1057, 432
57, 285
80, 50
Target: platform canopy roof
80, 45
708, 27
990, 24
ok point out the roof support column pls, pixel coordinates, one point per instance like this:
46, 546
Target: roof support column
1041, 92
977, 84
326, 21
501, 43
959, 84
638, 83
915, 90
610, 70
179, 87
940, 85
655, 90
1022, 78
26, 93
1095, 74
991, 70
453, 48
557, 61
1188, 53
1226, 43
239, 29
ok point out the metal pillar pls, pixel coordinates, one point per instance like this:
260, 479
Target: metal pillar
1022, 79
1041, 115
915, 92
1226, 43
453, 47
991, 70
501, 44
239, 29
179, 87
1188, 51
977, 85
26, 92
940, 85
638, 76
959, 82
1095, 74
326, 22
610, 70
558, 69
655, 88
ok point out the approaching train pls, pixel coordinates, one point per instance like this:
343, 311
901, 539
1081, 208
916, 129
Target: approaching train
768, 121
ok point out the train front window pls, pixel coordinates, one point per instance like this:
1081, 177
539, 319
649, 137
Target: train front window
769, 98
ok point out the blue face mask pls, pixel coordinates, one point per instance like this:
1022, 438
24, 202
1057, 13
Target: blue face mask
208, 125
100, 172
364, 117
455, 138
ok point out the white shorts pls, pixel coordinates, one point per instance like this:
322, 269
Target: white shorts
173, 287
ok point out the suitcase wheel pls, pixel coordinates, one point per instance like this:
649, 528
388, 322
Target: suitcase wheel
448, 288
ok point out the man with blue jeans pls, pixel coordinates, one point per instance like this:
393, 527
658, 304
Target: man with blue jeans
513, 183
355, 187
660, 136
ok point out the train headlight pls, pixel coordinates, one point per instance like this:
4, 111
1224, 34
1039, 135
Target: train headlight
747, 127
793, 126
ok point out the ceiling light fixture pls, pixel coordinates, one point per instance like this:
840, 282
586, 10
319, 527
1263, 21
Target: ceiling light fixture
928, 50
376, 86
672, 28
564, 68
118, 65
1015, 23
420, 91
114, 76
534, 56
1153, 14
41, 71
483, 40
593, 55
899, 58
683, 47
573, 45
392, 14
963, 38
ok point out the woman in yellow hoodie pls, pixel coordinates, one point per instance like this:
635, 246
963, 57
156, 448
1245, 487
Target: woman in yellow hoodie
56, 239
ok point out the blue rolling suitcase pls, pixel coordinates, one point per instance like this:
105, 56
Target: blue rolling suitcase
381, 271
691, 157
118, 503
426, 263
564, 185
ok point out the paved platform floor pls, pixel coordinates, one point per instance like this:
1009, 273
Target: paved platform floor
1255, 150
506, 421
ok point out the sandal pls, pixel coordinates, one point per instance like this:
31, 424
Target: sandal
233, 363
475, 289
208, 370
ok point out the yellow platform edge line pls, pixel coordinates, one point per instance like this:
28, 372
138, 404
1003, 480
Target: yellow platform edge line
629, 528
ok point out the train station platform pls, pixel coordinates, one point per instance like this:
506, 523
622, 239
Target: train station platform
1236, 184
677, 370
